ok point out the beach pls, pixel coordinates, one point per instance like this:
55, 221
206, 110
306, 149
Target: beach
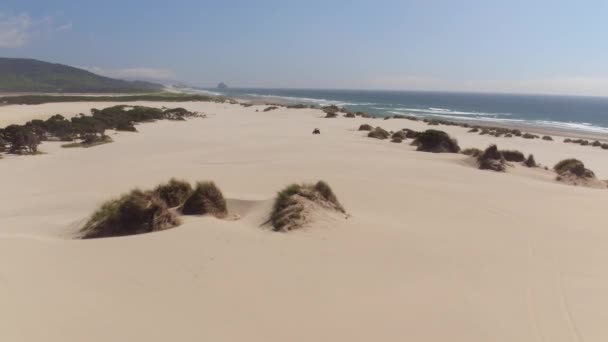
433, 249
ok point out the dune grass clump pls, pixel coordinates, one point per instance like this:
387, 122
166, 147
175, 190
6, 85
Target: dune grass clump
436, 142
90, 140
513, 156
365, 127
293, 204
174, 193
548, 138
573, 167
379, 133
530, 161
206, 198
473, 152
137, 212
410, 134
491, 159
399, 135
268, 109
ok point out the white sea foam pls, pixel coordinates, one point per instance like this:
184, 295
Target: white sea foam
322, 102
440, 111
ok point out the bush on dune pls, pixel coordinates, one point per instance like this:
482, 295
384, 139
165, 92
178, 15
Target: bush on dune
365, 127
436, 142
573, 167
379, 133
205, 199
174, 193
513, 156
530, 161
473, 152
135, 213
331, 111
411, 134
292, 204
491, 159
268, 109
399, 135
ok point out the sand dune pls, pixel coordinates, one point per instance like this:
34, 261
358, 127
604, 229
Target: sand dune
435, 250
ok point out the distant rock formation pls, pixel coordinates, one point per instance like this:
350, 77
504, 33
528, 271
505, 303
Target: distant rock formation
222, 85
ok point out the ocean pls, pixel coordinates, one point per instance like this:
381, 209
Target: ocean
589, 114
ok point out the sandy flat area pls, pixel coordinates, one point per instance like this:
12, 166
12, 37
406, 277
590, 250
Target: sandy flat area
434, 250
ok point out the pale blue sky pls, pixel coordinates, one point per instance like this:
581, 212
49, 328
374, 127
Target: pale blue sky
470, 45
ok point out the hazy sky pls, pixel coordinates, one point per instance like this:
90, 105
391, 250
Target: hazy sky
543, 46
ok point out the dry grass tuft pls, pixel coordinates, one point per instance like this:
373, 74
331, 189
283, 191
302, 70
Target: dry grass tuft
135, 213
205, 199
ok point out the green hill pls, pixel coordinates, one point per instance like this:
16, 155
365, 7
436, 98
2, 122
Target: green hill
29, 75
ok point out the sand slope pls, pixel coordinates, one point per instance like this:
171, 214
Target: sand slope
434, 251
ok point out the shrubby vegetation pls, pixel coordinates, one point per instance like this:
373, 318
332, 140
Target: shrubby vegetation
573, 167
530, 161
135, 213
331, 111
379, 133
491, 159
513, 156
289, 209
174, 193
436, 141
141, 212
205, 199
473, 152
366, 127
89, 129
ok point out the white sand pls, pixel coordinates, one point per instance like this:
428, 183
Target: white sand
435, 250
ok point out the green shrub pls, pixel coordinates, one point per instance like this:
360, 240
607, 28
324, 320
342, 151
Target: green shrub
548, 138
436, 142
174, 193
401, 135
513, 156
473, 152
574, 167
288, 210
268, 109
530, 161
134, 213
379, 133
491, 159
205, 199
